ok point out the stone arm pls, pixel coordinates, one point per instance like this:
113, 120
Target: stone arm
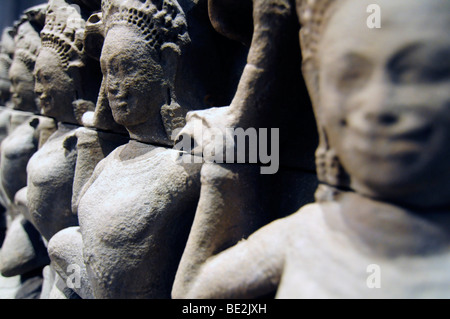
228, 212
272, 20
259, 87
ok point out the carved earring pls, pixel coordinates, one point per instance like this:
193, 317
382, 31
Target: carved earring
173, 117
336, 174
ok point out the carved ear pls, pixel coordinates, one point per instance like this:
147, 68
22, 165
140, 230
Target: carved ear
170, 54
94, 36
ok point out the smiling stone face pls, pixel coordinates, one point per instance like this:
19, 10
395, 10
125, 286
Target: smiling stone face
385, 95
134, 80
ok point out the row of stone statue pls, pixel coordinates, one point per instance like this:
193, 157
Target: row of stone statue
97, 202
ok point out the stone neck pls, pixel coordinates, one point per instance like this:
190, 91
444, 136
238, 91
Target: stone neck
150, 132
389, 230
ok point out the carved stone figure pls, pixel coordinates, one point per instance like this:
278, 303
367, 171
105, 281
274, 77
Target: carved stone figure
382, 112
66, 86
23, 138
136, 210
23, 252
67, 83
6, 55
271, 29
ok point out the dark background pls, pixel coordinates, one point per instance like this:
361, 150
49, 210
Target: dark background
11, 10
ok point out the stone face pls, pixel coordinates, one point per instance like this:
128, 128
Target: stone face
27, 45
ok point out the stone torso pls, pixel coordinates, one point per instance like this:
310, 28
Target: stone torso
322, 262
17, 149
135, 215
50, 179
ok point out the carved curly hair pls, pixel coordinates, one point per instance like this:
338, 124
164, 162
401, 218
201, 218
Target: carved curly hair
63, 33
158, 21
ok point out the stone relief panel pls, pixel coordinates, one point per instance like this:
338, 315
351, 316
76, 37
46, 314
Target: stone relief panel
226, 149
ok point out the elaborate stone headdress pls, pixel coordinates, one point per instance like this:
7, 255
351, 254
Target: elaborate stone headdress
6, 55
27, 40
158, 21
64, 33
161, 23
314, 15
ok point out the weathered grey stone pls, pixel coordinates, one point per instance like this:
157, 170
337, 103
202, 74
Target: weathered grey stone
66, 85
59, 290
379, 146
31, 285
5, 116
47, 283
23, 250
16, 150
148, 193
50, 179
66, 251
134, 237
125, 213
6, 56
27, 46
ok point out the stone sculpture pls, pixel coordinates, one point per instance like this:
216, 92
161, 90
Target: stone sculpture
66, 88
23, 138
6, 55
148, 194
67, 83
94, 184
382, 116
23, 252
259, 102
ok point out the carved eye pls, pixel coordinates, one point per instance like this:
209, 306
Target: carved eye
113, 69
420, 63
353, 73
